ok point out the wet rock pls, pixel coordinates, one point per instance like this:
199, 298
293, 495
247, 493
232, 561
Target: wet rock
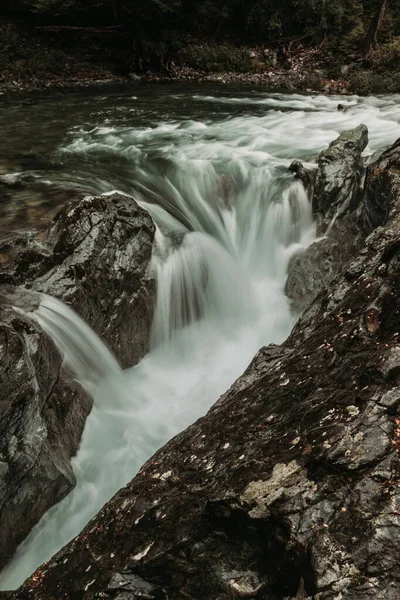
290, 486
309, 272
381, 189
336, 193
337, 185
94, 257
42, 415
306, 176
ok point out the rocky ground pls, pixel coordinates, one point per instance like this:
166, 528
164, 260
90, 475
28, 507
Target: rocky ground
271, 79
289, 487
301, 69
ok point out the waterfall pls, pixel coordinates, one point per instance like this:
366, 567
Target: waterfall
221, 252
85, 355
83, 352
229, 217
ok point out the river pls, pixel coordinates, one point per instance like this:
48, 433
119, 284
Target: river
210, 165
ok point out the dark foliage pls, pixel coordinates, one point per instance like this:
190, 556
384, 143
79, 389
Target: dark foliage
149, 33
266, 20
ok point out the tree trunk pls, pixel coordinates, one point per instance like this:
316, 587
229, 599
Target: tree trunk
371, 39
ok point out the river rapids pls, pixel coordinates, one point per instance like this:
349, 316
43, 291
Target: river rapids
211, 168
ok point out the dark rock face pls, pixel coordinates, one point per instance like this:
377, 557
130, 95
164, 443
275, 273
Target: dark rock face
41, 420
289, 486
336, 194
311, 271
381, 189
94, 257
306, 176
338, 178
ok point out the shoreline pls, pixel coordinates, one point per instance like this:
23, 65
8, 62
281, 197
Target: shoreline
273, 80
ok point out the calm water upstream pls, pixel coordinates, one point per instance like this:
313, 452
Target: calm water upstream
209, 164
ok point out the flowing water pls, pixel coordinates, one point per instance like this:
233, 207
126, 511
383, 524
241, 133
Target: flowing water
209, 164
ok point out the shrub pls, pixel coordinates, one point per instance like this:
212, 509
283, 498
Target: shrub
370, 82
218, 58
387, 56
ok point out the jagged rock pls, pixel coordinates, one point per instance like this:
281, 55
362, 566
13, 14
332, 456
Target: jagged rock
310, 271
127, 586
336, 192
306, 176
290, 485
41, 420
337, 184
94, 257
381, 189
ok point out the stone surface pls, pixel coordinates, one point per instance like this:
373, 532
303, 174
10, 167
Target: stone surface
310, 271
42, 415
381, 189
306, 176
337, 184
290, 486
337, 191
94, 257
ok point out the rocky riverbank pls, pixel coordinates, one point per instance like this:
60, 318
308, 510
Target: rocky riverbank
272, 79
289, 487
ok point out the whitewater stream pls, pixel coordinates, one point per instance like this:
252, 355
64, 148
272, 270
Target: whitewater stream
210, 165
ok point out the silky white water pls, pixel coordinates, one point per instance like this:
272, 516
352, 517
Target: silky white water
229, 217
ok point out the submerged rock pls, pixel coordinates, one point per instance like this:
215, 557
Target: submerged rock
95, 257
289, 486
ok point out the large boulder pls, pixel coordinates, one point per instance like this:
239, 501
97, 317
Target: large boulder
42, 415
289, 487
381, 189
310, 271
336, 190
337, 184
95, 257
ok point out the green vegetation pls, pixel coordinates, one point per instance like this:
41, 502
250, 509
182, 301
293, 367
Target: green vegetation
369, 82
208, 35
259, 20
387, 56
216, 58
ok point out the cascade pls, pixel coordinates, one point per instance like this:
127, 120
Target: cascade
220, 259
229, 217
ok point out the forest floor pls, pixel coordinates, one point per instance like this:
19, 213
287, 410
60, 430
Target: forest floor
36, 60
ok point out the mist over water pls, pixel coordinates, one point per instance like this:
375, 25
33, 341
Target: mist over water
229, 216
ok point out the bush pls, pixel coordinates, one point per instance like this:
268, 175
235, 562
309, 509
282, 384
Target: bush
370, 82
217, 58
387, 56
